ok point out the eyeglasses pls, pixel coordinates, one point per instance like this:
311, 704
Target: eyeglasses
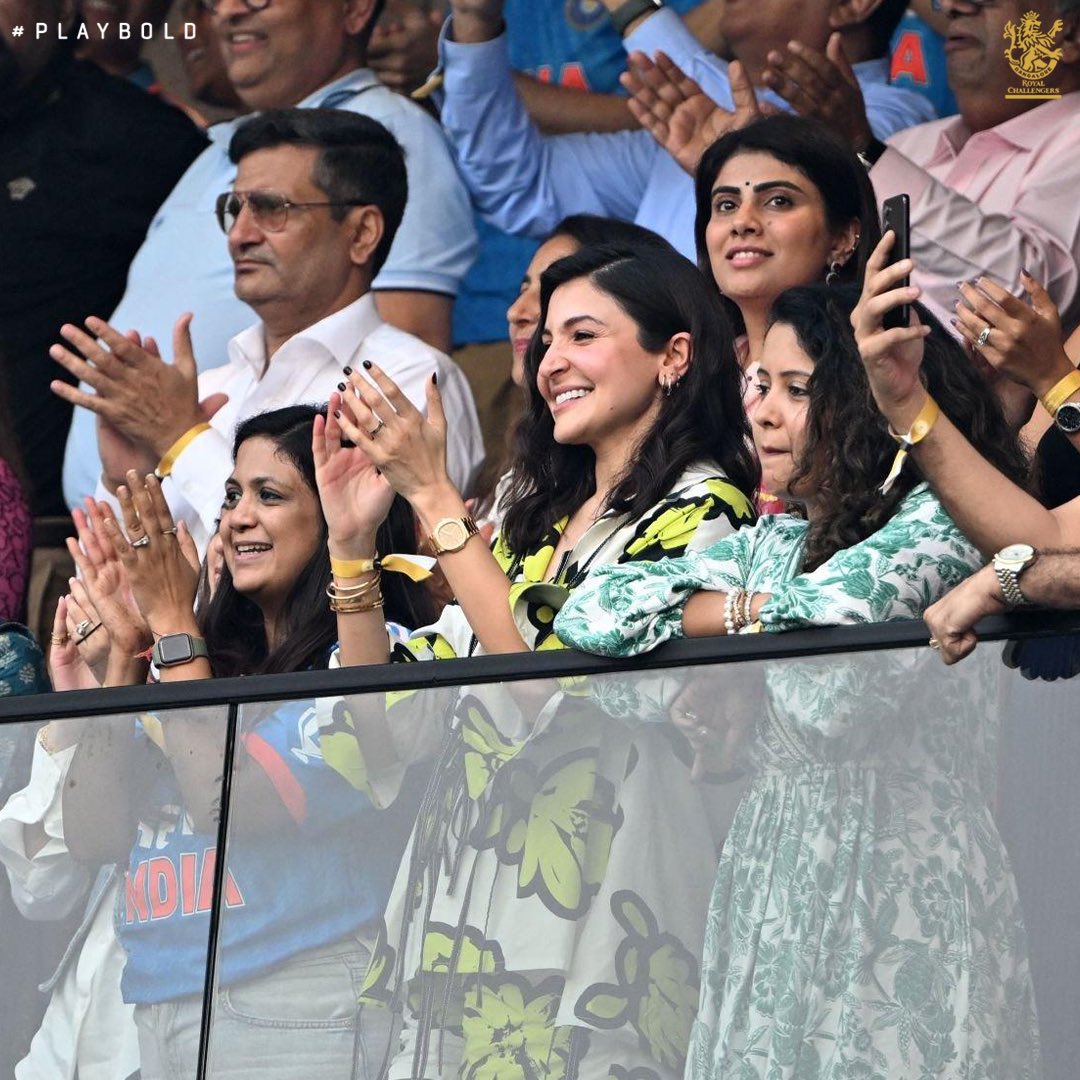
251, 5
269, 209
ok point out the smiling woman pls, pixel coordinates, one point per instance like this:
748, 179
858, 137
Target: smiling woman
288, 980
633, 446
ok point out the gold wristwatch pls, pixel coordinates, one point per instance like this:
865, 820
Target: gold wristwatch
1009, 563
452, 534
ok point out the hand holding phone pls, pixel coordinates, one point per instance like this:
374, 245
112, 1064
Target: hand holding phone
896, 215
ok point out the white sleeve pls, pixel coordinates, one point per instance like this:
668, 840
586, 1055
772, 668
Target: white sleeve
50, 883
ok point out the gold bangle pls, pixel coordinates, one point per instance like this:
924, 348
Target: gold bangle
168, 459
1060, 392
353, 592
920, 428
355, 607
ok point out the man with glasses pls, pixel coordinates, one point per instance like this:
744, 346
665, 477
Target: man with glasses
283, 54
318, 197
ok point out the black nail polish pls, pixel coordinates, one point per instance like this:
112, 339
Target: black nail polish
341, 387
435, 378
367, 364
347, 370
337, 414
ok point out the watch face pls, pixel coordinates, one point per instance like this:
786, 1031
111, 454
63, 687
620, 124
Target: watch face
1068, 417
174, 649
451, 534
1016, 553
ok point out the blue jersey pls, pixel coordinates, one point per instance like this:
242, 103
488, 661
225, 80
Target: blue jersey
568, 43
918, 62
287, 890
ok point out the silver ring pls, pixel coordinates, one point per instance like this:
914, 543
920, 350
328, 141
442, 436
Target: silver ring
378, 427
143, 541
703, 732
83, 627
169, 532
983, 338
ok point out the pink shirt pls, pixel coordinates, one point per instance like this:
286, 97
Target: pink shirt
999, 201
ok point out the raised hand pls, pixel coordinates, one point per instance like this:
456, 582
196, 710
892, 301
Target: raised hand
355, 498
163, 580
105, 581
678, 114
821, 85
404, 47
407, 447
68, 670
892, 358
1022, 341
150, 402
476, 20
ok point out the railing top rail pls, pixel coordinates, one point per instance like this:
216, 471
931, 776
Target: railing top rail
509, 668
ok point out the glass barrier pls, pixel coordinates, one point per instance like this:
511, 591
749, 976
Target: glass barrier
842, 865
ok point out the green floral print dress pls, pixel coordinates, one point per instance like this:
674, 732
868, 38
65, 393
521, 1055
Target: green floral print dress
864, 923
544, 923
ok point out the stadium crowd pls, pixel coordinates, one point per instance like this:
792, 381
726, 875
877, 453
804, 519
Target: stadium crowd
495, 326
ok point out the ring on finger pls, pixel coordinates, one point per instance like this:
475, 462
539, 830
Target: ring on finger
59, 639
143, 541
378, 427
934, 644
169, 532
83, 627
983, 338
83, 636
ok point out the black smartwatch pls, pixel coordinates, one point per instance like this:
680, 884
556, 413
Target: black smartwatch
174, 649
630, 10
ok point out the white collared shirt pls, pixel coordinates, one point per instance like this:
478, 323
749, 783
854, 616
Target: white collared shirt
304, 371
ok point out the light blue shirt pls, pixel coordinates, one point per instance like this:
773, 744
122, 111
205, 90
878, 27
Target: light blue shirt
184, 265
525, 182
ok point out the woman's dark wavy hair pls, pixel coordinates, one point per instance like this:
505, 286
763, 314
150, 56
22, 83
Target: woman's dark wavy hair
824, 159
848, 447
233, 624
702, 420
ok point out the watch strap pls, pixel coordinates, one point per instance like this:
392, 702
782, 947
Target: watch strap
1060, 392
630, 10
870, 154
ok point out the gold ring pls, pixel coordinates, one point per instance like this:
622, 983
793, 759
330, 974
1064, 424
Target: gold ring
934, 644
60, 640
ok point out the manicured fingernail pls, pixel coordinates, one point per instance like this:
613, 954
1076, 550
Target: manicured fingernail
347, 370
367, 364
954, 322
341, 387
337, 414
435, 378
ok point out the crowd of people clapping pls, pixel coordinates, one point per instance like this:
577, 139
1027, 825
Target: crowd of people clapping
718, 399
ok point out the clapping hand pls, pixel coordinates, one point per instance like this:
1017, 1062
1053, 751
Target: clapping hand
408, 448
1019, 340
823, 86
160, 558
678, 114
355, 497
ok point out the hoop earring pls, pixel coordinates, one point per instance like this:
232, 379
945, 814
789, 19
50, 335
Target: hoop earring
832, 276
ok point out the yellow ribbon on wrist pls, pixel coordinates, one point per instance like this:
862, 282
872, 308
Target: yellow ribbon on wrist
168, 459
414, 567
920, 428
1060, 392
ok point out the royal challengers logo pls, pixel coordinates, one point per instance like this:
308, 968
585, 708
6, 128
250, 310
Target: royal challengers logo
1032, 56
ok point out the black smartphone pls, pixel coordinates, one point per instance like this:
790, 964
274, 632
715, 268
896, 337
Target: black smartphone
896, 215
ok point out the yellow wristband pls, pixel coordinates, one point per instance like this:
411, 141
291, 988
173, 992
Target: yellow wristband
920, 428
168, 459
1060, 392
415, 567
